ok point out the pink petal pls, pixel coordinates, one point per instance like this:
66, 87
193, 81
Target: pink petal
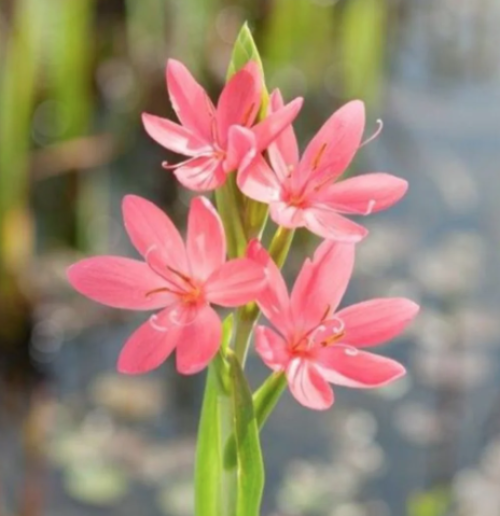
201, 174
147, 348
236, 283
258, 181
173, 136
332, 149
119, 282
190, 101
308, 386
275, 123
285, 215
326, 223
199, 342
241, 148
153, 234
365, 194
273, 300
206, 241
376, 321
347, 366
272, 348
283, 152
321, 284
240, 100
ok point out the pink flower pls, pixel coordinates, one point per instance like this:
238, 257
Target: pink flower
302, 192
182, 280
215, 138
315, 346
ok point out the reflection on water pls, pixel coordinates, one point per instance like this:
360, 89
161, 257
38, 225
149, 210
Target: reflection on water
126, 445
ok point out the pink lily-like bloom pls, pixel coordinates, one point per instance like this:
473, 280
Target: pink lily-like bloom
216, 139
182, 280
314, 345
303, 192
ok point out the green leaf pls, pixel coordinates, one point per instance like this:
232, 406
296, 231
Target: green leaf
216, 415
250, 470
264, 401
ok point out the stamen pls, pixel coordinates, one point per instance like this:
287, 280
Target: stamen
182, 276
163, 289
157, 327
380, 125
167, 166
318, 157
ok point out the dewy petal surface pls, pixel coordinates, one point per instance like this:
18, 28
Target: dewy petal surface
259, 182
118, 282
284, 150
275, 123
236, 283
190, 101
365, 194
153, 233
273, 300
345, 365
376, 321
334, 146
202, 174
173, 136
147, 348
330, 225
322, 283
308, 386
272, 348
206, 241
198, 342
240, 100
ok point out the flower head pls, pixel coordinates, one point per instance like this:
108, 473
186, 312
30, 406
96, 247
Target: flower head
216, 139
303, 192
181, 280
312, 343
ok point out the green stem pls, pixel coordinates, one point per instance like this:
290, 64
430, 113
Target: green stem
280, 245
246, 317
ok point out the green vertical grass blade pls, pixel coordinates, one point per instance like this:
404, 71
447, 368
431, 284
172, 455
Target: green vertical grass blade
362, 45
18, 81
301, 37
215, 490
250, 465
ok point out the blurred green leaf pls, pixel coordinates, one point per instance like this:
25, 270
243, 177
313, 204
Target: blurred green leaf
362, 45
95, 483
250, 469
434, 502
18, 82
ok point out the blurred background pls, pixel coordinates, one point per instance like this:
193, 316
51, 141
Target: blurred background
78, 439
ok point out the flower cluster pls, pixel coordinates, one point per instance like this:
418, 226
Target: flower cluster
310, 342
